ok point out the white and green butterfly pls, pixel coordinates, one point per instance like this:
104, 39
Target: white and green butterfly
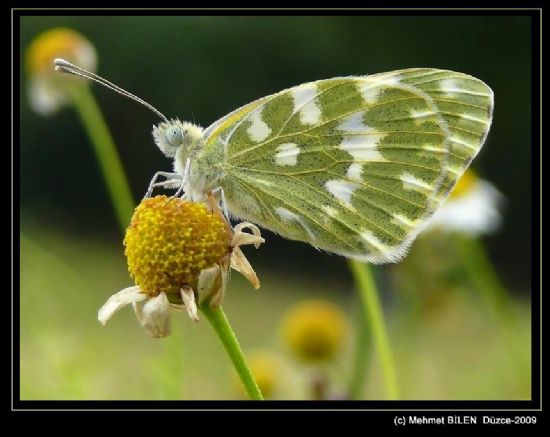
351, 165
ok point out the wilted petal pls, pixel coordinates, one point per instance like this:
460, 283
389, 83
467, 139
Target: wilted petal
219, 291
207, 282
240, 237
154, 316
117, 301
241, 264
188, 298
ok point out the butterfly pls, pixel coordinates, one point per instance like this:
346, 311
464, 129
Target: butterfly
354, 166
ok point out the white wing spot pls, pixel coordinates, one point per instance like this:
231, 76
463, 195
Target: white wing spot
355, 171
310, 113
462, 143
411, 182
369, 237
285, 214
330, 210
342, 190
370, 87
287, 154
450, 86
388, 78
401, 220
305, 103
420, 116
363, 147
456, 171
476, 119
434, 149
258, 129
354, 123
289, 216
369, 90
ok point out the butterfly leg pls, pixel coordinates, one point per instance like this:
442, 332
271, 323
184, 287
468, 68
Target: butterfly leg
169, 183
172, 181
223, 202
183, 180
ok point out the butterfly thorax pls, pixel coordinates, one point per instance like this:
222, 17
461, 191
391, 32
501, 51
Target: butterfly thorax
184, 142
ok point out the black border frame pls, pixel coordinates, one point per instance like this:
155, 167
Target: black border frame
387, 409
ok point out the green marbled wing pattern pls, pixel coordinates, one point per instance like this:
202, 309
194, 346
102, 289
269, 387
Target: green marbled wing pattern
354, 166
465, 103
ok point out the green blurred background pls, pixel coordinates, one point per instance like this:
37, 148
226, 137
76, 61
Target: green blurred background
199, 68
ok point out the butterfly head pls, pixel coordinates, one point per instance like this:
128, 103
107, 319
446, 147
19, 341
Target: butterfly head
174, 137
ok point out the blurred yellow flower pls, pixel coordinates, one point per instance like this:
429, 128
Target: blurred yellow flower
465, 184
314, 330
48, 91
266, 370
472, 208
179, 253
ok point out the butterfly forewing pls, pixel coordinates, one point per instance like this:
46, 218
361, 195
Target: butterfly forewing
353, 165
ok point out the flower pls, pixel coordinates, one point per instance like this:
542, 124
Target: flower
314, 330
179, 254
472, 208
47, 90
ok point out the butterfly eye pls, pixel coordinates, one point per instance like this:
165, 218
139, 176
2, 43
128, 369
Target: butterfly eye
174, 135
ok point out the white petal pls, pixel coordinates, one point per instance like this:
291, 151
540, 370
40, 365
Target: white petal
241, 264
475, 212
188, 298
119, 300
240, 237
206, 283
154, 316
44, 97
217, 297
86, 56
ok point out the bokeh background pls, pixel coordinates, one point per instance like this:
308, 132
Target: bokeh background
199, 68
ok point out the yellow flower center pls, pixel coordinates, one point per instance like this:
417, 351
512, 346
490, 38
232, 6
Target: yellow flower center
314, 330
55, 43
465, 184
169, 242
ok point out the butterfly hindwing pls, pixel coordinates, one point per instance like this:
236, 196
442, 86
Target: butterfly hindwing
466, 105
352, 165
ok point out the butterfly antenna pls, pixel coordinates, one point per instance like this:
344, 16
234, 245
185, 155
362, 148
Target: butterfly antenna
64, 66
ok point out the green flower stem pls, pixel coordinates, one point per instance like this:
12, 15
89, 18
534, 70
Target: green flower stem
106, 152
123, 204
360, 363
376, 325
484, 278
500, 304
221, 325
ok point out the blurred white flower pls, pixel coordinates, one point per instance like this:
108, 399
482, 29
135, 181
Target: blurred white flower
472, 208
48, 90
